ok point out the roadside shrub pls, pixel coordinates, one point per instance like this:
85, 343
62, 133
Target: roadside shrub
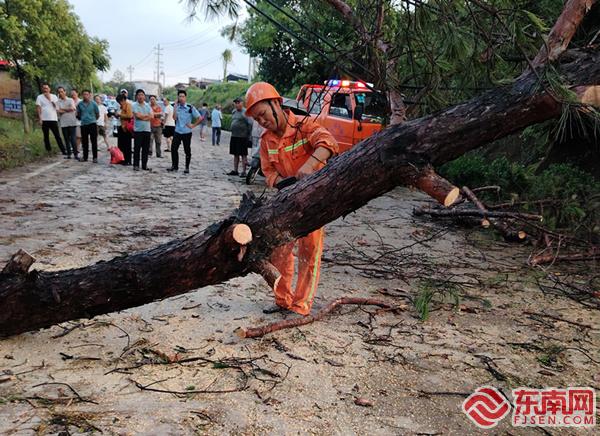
572, 195
16, 148
220, 93
473, 170
577, 196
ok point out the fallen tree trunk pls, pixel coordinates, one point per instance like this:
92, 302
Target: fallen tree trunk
395, 156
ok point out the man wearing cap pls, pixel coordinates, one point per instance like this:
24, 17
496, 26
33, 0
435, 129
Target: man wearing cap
123, 94
184, 116
142, 114
241, 130
123, 97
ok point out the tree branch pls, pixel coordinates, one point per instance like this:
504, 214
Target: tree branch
563, 31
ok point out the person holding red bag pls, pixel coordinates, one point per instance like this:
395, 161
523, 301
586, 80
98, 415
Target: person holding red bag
125, 130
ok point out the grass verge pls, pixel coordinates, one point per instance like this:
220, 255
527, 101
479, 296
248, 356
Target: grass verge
17, 148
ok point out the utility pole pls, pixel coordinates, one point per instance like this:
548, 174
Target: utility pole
158, 52
130, 69
249, 69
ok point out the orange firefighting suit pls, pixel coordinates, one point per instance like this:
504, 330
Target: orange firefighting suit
283, 156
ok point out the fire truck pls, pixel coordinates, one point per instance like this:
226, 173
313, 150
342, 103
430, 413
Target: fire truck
350, 110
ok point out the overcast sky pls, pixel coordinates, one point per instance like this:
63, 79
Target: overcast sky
134, 27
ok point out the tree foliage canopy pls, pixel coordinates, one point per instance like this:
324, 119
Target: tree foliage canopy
47, 41
443, 51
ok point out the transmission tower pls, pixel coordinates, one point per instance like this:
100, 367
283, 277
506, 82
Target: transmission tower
130, 70
158, 52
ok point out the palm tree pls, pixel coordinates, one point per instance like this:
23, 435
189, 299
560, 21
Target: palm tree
226, 56
214, 8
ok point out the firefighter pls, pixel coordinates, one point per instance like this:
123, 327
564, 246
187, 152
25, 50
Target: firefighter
291, 147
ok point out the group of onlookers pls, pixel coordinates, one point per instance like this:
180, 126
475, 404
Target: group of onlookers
83, 121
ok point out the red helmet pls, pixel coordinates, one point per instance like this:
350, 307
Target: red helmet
259, 92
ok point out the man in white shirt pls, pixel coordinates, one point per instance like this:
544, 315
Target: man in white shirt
102, 120
48, 117
169, 129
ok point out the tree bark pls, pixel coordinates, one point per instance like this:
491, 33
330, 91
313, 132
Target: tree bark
563, 31
375, 166
24, 116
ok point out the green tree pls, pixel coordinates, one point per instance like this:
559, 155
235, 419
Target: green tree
46, 41
440, 51
118, 76
226, 57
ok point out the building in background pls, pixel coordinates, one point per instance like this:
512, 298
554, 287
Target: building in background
205, 83
150, 87
233, 77
193, 82
10, 92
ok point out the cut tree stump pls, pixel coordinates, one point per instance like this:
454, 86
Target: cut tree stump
437, 187
393, 157
19, 263
238, 235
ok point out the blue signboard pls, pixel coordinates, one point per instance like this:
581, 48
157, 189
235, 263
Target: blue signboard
11, 105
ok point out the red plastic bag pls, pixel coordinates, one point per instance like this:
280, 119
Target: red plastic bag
128, 125
116, 155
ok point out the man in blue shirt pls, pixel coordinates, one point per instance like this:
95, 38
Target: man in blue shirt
87, 114
216, 118
184, 116
142, 114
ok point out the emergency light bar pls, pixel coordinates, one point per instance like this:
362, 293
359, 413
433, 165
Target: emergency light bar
347, 84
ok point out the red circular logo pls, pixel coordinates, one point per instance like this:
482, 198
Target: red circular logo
486, 407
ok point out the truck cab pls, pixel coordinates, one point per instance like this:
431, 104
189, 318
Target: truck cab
351, 111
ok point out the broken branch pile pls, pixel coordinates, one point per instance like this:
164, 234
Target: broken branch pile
514, 226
